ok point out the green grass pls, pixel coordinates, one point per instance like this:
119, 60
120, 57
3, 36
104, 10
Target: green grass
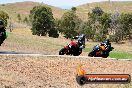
115, 54
87, 49
120, 55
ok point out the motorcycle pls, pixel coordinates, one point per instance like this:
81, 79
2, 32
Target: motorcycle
3, 36
101, 51
73, 48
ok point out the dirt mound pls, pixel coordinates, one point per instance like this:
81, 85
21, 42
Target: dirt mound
26, 71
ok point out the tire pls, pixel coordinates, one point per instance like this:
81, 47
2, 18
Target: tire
81, 80
62, 51
2, 37
1, 42
80, 51
77, 52
106, 55
91, 54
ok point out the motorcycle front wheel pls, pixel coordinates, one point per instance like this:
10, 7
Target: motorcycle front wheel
91, 54
62, 51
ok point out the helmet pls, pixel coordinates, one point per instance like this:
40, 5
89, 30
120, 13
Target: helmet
83, 35
107, 41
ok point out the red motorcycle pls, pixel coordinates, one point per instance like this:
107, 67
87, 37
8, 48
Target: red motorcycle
73, 48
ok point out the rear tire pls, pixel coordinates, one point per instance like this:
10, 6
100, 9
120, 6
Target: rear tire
62, 51
106, 55
80, 51
77, 52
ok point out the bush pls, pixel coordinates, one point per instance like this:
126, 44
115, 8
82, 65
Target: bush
42, 21
4, 16
99, 38
70, 23
53, 33
3, 4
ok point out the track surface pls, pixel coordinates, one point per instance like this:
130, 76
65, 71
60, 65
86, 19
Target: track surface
41, 54
32, 70
55, 71
12, 52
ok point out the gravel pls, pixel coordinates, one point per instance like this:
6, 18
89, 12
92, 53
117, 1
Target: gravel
26, 71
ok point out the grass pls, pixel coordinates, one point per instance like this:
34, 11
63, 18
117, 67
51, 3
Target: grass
21, 40
120, 55
87, 49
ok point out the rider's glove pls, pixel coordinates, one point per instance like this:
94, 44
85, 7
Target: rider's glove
81, 47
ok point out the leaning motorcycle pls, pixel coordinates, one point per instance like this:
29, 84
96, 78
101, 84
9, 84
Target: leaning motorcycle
3, 36
100, 51
73, 48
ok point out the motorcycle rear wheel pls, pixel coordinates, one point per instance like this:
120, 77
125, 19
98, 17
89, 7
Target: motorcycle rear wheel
77, 52
106, 55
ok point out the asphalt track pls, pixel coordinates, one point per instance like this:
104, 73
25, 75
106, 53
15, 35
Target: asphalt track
44, 55
12, 52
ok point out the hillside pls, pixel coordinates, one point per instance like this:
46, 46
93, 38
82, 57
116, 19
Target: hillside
110, 7
23, 8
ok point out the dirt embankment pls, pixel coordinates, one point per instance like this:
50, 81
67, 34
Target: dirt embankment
24, 71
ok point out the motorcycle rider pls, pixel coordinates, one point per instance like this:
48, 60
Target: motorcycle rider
81, 40
2, 32
102, 49
105, 45
74, 48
